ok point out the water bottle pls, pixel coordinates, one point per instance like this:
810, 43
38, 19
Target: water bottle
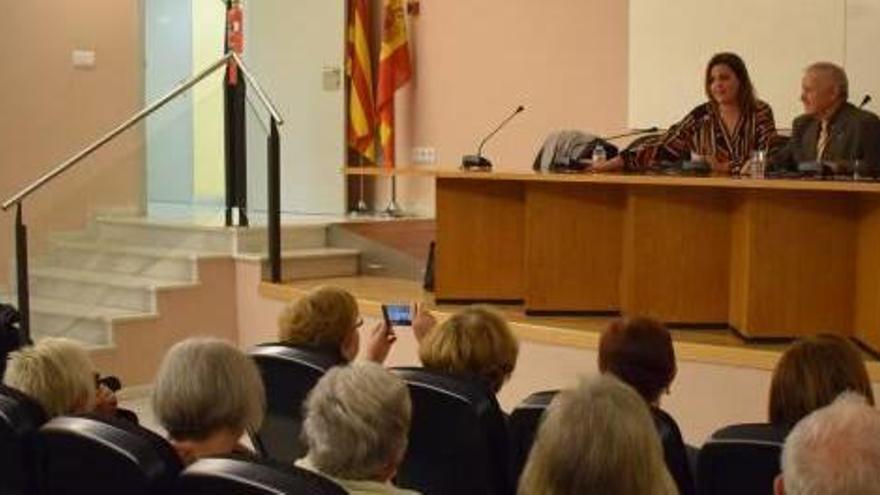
599, 154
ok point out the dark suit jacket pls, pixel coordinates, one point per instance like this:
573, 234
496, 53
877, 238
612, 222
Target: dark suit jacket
854, 134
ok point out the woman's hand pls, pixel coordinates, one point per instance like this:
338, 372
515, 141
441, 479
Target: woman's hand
423, 321
613, 165
380, 338
105, 401
718, 166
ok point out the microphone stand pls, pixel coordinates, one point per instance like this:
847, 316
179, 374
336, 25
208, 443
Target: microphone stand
393, 209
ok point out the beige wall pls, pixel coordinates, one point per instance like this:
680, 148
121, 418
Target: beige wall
564, 60
51, 110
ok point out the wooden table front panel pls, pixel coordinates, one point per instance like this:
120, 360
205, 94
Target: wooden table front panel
794, 263
867, 311
574, 246
676, 258
480, 240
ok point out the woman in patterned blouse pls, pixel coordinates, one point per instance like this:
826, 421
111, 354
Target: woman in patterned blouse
723, 131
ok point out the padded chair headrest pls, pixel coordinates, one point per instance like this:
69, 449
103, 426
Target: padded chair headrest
235, 476
19, 413
88, 451
318, 359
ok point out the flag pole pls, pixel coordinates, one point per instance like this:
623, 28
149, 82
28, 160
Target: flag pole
361, 208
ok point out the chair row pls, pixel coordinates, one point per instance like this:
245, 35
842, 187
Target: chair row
460, 441
90, 454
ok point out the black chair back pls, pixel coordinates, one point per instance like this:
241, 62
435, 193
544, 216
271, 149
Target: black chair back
458, 438
232, 476
20, 418
523, 425
740, 459
88, 454
289, 374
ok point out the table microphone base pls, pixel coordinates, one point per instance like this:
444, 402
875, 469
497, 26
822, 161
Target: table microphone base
475, 163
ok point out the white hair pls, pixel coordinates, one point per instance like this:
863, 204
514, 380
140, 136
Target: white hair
835, 75
597, 438
357, 422
834, 450
57, 373
205, 385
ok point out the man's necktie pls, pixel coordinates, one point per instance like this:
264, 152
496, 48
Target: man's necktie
822, 144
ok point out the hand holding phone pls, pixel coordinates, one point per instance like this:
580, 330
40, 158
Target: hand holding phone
397, 315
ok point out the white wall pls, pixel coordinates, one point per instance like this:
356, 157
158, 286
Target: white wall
287, 45
671, 41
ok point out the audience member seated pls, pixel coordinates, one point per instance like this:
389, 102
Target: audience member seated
327, 320
833, 451
597, 438
207, 393
59, 375
475, 342
356, 427
639, 351
811, 374
723, 132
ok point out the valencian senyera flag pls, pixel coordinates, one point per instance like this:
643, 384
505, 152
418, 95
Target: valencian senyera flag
358, 68
394, 71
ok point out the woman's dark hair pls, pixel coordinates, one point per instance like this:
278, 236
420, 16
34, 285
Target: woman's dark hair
746, 96
811, 374
639, 351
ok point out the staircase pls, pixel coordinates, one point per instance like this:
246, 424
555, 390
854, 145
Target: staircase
124, 273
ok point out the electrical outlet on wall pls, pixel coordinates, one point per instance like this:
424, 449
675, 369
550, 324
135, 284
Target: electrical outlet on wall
424, 155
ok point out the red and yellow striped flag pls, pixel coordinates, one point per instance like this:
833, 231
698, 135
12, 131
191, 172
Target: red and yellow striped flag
358, 68
394, 71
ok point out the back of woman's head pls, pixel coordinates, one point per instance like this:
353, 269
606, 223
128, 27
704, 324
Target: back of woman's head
811, 374
57, 373
324, 317
477, 341
639, 351
597, 438
207, 385
357, 422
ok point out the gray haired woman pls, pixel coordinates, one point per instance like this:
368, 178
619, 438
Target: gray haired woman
208, 392
597, 438
356, 427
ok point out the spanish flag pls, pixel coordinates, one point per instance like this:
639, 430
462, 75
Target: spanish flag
358, 68
394, 71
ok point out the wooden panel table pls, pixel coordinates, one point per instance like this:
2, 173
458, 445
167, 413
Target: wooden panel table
771, 258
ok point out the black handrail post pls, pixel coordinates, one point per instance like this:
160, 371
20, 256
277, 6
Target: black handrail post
274, 200
21, 265
235, 139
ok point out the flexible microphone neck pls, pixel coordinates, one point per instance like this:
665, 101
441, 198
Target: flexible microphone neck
634, 132
865, 101
495, 131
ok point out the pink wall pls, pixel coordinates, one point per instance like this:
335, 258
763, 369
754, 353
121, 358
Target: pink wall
51, 110
564, 60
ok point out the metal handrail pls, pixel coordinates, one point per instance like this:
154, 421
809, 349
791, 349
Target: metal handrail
37, 184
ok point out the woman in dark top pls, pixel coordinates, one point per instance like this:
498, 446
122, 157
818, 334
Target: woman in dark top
723, 131
639, 351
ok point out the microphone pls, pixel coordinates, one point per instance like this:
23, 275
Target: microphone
479, 162
865, 101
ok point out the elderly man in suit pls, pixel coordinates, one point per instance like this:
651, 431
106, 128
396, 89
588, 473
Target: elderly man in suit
832, 131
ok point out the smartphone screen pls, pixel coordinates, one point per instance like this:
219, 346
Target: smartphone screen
397, 314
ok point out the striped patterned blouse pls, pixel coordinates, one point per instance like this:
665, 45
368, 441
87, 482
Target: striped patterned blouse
703, 132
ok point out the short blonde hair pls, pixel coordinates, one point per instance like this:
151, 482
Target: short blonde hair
323, 317
475, 340
205, 385
597, 438
57, 373
357, 421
